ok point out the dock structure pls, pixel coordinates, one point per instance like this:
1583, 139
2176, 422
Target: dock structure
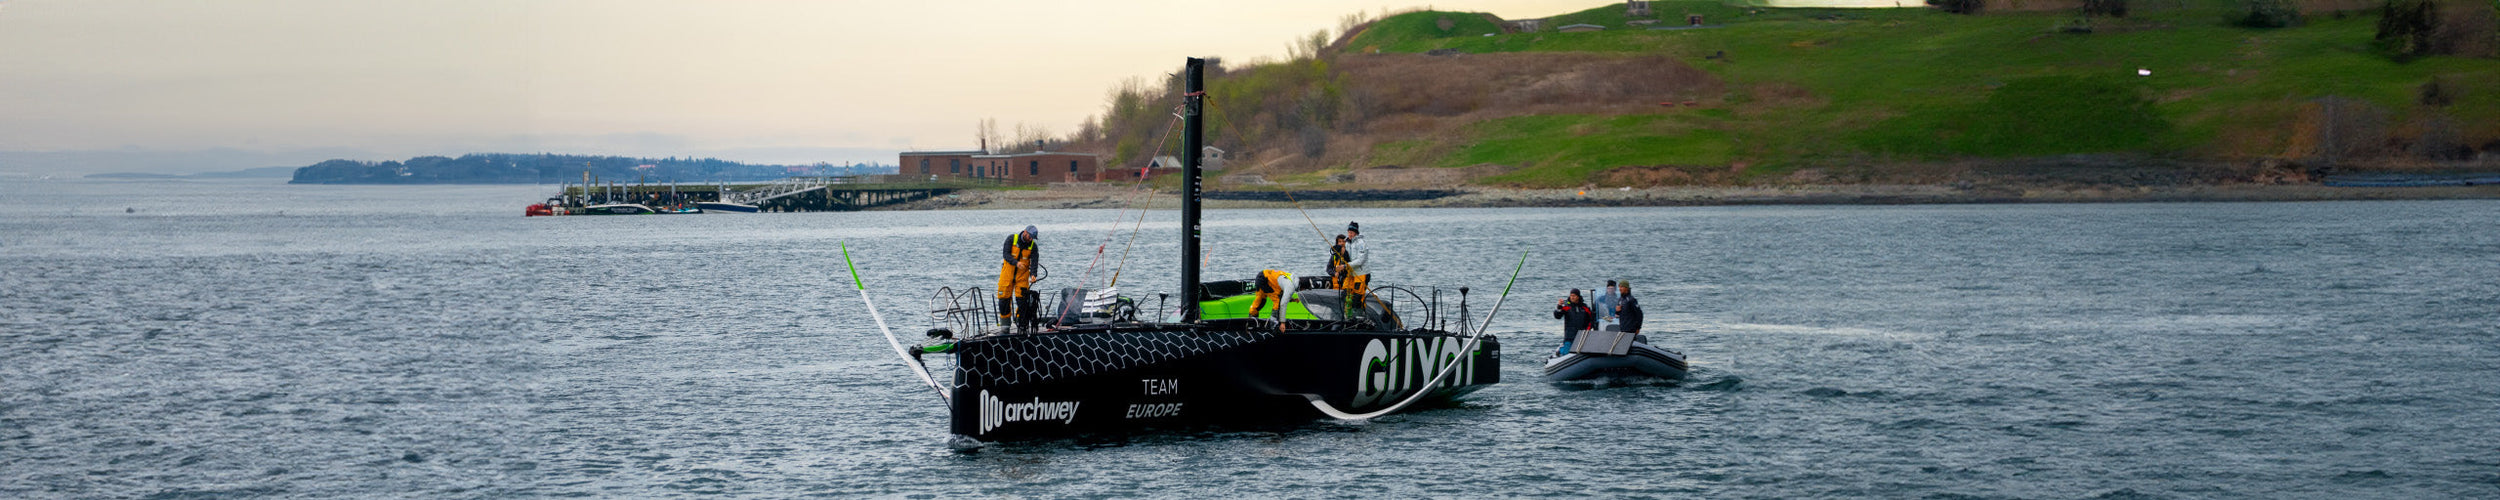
795, 194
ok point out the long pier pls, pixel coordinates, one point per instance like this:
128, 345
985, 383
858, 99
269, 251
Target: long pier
795, 194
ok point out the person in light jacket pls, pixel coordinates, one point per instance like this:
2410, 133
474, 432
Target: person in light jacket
1358, 274
1605, 305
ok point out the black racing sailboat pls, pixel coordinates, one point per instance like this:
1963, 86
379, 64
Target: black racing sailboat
1096, 369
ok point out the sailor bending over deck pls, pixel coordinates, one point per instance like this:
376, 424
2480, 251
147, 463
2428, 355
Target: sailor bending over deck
1022, 253
1274, 287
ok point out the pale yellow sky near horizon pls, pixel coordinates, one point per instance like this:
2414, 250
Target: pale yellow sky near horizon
622, 77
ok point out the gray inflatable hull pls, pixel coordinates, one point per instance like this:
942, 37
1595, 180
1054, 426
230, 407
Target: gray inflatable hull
1642, 360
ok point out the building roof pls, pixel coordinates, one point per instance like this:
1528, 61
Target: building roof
1035, 153
1589, 26
944, 153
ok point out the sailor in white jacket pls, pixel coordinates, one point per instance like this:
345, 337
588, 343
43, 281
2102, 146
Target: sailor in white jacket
1358, 262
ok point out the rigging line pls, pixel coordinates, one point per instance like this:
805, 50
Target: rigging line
1306, 217
1107, 236
1422, 390
1132, 241
1114, 232
1122, 213
914, 364
1141, 181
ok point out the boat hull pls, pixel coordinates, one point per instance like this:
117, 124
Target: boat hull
1643, 360
616, 209
1022, 386
711, 207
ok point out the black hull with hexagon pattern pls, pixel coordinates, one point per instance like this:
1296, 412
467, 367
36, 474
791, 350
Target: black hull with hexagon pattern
1118, 378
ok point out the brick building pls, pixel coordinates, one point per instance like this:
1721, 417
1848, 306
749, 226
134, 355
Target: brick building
1025, 168
939, 164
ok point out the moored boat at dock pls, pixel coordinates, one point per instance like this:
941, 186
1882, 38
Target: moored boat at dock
616, 209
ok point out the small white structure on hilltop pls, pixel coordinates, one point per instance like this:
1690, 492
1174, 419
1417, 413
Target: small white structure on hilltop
1209, 158
1842, 4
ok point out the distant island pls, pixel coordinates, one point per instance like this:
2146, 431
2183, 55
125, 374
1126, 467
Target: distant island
502, 168
249, 173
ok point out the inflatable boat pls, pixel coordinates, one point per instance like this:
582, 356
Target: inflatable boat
1597, 354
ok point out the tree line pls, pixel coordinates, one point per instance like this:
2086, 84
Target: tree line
503, 168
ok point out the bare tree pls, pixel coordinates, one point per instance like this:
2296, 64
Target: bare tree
1350, 23
987, 134
1089, 130
1029, 138
1307, 47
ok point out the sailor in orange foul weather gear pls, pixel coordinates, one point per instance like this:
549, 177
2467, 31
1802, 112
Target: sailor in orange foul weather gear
1274, 287
1337, 264
1022, 253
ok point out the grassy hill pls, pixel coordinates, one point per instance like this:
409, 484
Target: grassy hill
1867, 94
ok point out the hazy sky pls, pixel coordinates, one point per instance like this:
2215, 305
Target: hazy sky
778, 80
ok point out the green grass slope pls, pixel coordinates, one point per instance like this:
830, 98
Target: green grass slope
1812, 87
1421, 31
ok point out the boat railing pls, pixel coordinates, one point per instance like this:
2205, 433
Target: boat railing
967, 311
1432, 301
963, 312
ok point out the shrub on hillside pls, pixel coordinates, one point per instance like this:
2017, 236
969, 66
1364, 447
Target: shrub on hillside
1968, 7
2437, 93
2109, 8
1314, 141
2409, 29
2268, 14
2435, 137
2335, 129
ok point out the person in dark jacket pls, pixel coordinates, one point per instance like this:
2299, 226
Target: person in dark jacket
1576, 317
1629, 309
1336, 264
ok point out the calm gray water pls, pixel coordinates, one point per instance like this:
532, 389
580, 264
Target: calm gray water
245, 339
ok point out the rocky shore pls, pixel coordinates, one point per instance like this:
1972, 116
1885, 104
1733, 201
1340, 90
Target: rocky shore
1705, 196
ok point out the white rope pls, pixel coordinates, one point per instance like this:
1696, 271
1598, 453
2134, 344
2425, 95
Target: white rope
1446, 370
914, 364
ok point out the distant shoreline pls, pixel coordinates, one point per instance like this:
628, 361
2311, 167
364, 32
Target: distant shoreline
1723, 196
